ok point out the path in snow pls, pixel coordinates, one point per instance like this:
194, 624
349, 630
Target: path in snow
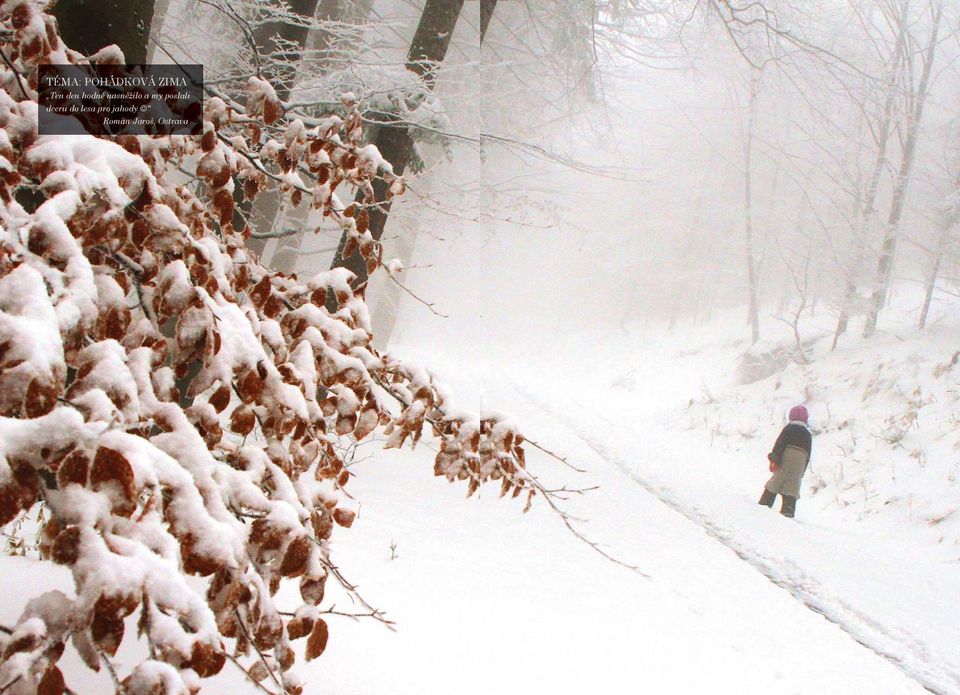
903, 650
487, 599
805, 569
497, 601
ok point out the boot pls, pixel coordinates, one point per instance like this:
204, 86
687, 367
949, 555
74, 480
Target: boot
767, 498
789, 506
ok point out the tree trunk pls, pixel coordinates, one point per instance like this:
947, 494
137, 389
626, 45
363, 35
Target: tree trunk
753, 313
388, 296
888, 252
486, 14
868, 214
268, 37
947, 221
89, 25
160, 10
393, 138
931, 284
287, 249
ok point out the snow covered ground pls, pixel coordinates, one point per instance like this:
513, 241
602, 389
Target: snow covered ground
739, 599
854, 596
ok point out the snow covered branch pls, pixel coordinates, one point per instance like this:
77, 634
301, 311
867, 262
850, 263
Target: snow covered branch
180, 409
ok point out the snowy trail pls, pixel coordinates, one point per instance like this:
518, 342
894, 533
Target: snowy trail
910, 655
487, 599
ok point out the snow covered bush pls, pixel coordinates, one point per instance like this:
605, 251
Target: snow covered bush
177, 408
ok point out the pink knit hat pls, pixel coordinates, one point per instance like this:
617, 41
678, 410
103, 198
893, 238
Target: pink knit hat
798, 413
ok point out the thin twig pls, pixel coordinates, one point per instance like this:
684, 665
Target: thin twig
7, 686
552, 455
406, 289
351, 589
113, 673
549, 496
263, 659
253, 680
19, 78
568, 522
377, 615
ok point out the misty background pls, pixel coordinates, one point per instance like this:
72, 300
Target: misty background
585, 168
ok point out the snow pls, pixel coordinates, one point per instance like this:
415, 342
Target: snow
28, 325
757, 602
370, 161
477, 578
713, 593
735, 597
730, 597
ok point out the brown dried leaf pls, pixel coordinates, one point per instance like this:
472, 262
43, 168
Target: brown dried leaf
208, 141
110, 466
312, 589
322, 523
473, 486
271, 111
344, 517
299, 626
10, 495
317, 642
194, 562
363, 221
350, 247
269, 630
73, 469
250, 386
242, 420
40, 398
206, 659
259, 672
52, 682
107, 632
346, 424
66, 546
295, 559
220, 398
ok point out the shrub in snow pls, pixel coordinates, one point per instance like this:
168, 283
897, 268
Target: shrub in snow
178, 408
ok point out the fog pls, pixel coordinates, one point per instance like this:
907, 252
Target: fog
622, 273
634, 209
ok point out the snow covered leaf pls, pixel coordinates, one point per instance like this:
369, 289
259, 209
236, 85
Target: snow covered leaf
183, 412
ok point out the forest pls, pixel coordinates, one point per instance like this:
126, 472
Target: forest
447, 346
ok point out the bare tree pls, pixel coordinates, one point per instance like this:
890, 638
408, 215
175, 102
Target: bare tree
867, 205
800, 278
393, 138
918, 98
89, 25
948, 216
283, 39
753, 313
486, 14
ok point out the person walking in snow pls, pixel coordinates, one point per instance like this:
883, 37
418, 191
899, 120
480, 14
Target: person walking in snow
788, 462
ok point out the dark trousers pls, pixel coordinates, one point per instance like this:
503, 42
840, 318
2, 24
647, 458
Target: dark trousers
788, 505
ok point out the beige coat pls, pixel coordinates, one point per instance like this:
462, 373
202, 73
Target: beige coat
786, 480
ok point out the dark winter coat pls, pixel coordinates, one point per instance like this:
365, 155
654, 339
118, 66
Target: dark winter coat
791, 453
794, 434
